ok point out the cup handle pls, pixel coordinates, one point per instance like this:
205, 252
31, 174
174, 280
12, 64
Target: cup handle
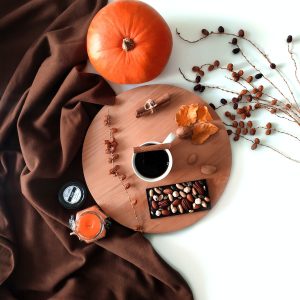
170, 138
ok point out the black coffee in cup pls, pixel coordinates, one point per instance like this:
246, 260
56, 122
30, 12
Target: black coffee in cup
152, 164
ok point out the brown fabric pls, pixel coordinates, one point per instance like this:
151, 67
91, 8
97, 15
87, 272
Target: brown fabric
47, 103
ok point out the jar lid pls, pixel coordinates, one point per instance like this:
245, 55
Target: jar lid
72, 195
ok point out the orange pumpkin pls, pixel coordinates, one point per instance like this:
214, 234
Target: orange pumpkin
129, 42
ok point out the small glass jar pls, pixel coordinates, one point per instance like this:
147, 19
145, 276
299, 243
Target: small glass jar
90, 224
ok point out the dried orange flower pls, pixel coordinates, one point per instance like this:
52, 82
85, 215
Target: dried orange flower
202, 131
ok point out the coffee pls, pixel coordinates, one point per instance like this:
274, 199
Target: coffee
152, 164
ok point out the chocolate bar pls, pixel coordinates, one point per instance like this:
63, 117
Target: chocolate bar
177, 199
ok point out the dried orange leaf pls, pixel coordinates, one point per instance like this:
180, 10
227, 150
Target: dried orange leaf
202, 131
203, 114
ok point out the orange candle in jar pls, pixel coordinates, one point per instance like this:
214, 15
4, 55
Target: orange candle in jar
89, 225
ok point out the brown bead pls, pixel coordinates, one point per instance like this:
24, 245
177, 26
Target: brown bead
243, 92
234, 74
230, 67
238, 131
288, 106
254, 91
289, 39
254, 146
252, 131
249, 124
241, 124
235, 124
236, 79
216, 63
269, 125
229, 131
245, 131
249, 79
240, 110
272, 66
210, 68
257, 141
221, 29
227, 114
268, 131
201, 73
274, 102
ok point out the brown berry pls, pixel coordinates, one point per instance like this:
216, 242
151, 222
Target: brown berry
229, 131
249, 124
232, 117
268, 131
249, 98
252, 131
269, 125
288, 106
254, 146
289, 39
240, 72
258, 95
260, 88
216, 63
257, 105
210, 68
241, 124
198, 79
205, 32
254, 91
257, 141
273, 111
201, 73
221, 29
244, 131
274, 102
236, 50
227, 114
243, 92
230, 67
249, 79
235, 124
272, 66
236, 138
234, 41
241, 33
243, 116
195, 69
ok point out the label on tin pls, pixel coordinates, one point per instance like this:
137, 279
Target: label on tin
72, 194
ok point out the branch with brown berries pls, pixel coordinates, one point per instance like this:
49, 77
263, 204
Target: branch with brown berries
111, 145
251, 95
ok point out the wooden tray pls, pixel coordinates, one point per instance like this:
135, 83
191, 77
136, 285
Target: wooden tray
107, 190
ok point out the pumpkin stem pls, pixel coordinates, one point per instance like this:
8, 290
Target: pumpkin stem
128, 44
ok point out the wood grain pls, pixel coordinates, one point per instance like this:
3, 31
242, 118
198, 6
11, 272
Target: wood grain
107, 190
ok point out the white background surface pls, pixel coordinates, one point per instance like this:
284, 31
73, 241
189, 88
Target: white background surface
248, 247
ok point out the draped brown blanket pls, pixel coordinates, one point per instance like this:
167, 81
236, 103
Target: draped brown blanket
47, 103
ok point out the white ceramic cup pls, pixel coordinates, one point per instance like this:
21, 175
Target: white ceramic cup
168, 139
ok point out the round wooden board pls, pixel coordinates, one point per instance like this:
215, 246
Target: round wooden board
107, 189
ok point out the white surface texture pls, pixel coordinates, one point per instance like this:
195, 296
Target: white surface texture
248, 246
